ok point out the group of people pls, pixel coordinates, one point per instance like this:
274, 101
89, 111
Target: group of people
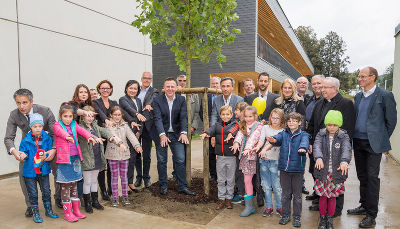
251, 152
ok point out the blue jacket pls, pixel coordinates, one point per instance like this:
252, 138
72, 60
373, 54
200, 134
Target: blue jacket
381, 120
290, 160
28, 146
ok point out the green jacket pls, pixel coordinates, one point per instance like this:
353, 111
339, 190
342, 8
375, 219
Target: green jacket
87, 148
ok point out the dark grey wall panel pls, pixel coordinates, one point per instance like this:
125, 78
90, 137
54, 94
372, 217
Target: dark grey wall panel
240, 55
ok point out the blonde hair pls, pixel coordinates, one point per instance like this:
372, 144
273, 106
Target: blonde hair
279, 100
225, 108
86, 108
242, 124
281, 115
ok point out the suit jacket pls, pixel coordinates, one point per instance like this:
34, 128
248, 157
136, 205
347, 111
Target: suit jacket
130, 111
148, 99
195, 111
219, 102
210, 104
102, 112
18, 120
162, 115
270, 100
339, 103
381, 120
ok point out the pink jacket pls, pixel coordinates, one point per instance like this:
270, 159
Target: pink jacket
251, 141
62, 145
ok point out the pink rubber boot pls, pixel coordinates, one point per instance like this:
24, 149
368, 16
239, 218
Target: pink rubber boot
75, 209
68, 215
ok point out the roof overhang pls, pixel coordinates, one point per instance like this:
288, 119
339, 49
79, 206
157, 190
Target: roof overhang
397, 30
275, 28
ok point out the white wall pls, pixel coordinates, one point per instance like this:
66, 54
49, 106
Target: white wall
62, 44
396, 87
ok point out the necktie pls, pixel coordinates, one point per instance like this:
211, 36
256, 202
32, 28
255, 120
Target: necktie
27, 117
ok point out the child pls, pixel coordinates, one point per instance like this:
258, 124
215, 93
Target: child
69, 157
269, 162
292, 159
226, 160
239, 182
36, 168
332, 152
247, 138
93, 159
118, 157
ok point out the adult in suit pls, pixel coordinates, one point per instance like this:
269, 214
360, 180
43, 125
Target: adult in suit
333, 100
170, 117
19, 118
302, 86
132, 108
146, 95
263, 82
227, 98
214, 83
248, 86
103, 106
376, 118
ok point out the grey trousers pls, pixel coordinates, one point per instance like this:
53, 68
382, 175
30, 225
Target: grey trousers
53, 166
291, 184
226, 167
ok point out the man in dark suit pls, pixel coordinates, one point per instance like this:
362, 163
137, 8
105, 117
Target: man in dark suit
19, 118
376, 119
333, 100
170, 117
146, 96
263, 82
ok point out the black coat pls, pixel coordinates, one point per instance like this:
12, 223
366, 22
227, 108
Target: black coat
148, 99
130, 111
322, 107
220, 131
102, 112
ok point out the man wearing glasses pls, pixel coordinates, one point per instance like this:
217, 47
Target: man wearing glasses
376, 119
333, 100
302, 86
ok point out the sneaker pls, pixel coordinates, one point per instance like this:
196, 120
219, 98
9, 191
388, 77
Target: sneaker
237, 199
279, 212
125, 201
284, 220
114, 202
296, 221
268, 212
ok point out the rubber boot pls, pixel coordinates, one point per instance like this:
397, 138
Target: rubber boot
329, 222
249, 206
95, 201
322, 222
87, 203
68, 215
75, 209
49, 210
35, 214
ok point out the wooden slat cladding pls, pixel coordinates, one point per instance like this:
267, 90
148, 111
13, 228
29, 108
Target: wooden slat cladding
272, 31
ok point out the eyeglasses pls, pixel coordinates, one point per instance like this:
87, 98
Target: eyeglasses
292, 121
105, 88
181, 80
302, 83
275, 119
146, 78
325, 87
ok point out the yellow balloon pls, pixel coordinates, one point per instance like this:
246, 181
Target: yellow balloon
260, 104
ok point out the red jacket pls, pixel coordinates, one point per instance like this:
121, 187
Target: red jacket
62, 145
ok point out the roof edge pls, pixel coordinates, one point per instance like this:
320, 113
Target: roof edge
281, 16
397, 30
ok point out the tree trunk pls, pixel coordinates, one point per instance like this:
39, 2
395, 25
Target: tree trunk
206, 166
189, 109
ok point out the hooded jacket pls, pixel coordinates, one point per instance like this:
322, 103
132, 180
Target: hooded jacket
220, 131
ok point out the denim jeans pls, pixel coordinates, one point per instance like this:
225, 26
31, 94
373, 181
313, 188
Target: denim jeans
269, 174
178, 156
44, 185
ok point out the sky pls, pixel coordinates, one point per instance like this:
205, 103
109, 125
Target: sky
367, 26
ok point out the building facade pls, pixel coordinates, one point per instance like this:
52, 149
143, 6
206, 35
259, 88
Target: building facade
267, 43
396, 87
50, 46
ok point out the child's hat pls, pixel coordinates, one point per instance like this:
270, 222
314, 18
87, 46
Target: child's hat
334, 117
35, 118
